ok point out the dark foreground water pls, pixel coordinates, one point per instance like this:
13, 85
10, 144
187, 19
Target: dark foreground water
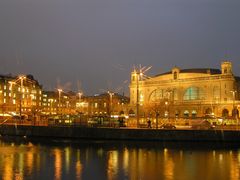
23, 158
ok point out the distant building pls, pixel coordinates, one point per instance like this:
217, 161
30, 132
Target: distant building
56, 102
187, 92
106, 104
74, 103
20, 95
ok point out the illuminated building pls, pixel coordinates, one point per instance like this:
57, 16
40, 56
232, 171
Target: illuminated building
107, 104
20, 95
58, 102
187, 93
72, 103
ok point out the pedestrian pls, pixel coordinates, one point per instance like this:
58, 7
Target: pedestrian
149, 123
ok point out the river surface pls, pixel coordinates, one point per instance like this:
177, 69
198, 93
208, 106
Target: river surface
43, 159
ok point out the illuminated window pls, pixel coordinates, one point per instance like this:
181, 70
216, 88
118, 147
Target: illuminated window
193, 93
4, 100
5, 94
5, 87
14, 101
104, 104
95, 105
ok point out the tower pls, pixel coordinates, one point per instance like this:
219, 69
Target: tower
226, 67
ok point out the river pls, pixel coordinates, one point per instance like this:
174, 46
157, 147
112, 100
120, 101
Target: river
24, 158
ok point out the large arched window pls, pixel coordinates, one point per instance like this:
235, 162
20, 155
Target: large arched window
193, 93
156, 95
159, 94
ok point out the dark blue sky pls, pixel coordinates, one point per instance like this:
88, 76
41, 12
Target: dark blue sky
97, 42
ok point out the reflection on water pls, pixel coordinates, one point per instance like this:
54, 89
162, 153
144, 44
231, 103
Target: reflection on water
61, 159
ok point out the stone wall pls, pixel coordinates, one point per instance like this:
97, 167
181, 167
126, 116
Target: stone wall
120, 133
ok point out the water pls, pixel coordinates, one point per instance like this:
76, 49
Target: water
24, 158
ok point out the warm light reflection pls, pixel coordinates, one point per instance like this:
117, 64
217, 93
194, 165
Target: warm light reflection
125, 159
20, 166
112, 164
234, 167
58, 164
26, 161
78, 169
67, 158
30, 161
168, 165
8, 168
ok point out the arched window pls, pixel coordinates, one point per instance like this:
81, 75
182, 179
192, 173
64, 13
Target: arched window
225, 113
186, 114
194, 113
156, 95
208, 111
193, 93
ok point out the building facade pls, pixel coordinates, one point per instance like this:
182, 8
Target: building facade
20, 95
187, 93
106, 104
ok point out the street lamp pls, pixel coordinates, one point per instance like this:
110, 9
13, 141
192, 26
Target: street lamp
138, 75
110, 104
21, 94
59, 99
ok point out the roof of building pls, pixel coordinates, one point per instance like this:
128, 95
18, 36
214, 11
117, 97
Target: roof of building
196, 70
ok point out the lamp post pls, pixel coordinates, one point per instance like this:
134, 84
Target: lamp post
80, 96
138, 75
21, 95
59, 99
110, 103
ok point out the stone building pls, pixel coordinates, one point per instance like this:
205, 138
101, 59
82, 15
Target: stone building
187, 93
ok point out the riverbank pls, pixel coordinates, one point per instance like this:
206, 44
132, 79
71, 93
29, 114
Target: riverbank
120, 133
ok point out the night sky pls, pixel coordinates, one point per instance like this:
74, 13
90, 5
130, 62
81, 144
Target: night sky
93, 44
